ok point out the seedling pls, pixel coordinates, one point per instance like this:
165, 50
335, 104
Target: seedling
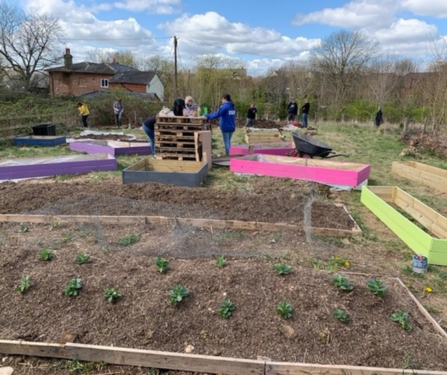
111, 295
376, 286
162, 264
24, 284
82, 258
45, 254
341, 315
342, 283
177, 294
23, 228
73, 287
129, 239
226, 307
221, 261
282, 268
401, 317
284, 309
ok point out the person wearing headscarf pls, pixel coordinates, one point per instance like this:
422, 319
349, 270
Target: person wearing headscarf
190, 109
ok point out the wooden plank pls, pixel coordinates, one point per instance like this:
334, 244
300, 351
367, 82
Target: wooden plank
421, 173
384, 192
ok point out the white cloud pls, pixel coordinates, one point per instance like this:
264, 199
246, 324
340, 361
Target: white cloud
407, 31
434, 8
153, 6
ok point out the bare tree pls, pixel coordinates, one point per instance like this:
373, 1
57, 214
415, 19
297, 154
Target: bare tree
27, 43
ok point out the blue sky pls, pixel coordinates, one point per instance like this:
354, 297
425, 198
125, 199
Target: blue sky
261, 35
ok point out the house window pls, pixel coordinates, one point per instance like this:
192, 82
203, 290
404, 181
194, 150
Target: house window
104, 83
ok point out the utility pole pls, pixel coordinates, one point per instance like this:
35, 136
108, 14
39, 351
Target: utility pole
175, 67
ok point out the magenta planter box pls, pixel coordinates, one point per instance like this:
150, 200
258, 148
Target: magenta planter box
51, 166
111, 147
335, 173
280, 149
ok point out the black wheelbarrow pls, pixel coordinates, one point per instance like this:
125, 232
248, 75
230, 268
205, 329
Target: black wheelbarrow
307, 145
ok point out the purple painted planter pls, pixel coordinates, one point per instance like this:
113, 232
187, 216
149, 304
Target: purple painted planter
111, 147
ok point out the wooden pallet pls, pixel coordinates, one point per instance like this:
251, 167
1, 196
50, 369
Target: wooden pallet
175, 156
182, 120
181, 126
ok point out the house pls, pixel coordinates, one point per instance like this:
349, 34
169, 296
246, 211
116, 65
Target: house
81, 78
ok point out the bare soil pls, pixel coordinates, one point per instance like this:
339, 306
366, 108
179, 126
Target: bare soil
144, 318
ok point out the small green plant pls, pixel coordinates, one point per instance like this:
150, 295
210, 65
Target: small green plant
376, 286
336, 263
45, 254
401, 317
284, 309
111, 295
225, 309
82, 258
341, 315
162, 264
221, 261
129, 239
23, 228
282, 268
73, 287
342, 283
24, 284
177, 294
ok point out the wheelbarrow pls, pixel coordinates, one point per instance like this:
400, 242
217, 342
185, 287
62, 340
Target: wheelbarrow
308, 146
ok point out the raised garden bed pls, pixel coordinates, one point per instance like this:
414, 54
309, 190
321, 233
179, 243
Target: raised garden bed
422, 173
433, 245
40, 140
111, 147
281, 149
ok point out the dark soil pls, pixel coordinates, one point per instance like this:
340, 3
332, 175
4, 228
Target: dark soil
143, 317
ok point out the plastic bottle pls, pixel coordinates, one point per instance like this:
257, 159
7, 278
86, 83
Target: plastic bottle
199, 111
205, 110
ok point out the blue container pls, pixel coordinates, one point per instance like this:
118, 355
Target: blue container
420, 263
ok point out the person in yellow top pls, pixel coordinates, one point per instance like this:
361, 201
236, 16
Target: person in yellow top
84, 112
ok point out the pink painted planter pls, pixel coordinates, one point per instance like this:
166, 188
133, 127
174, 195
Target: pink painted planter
334, 173
111, 147
51, 166
280, 149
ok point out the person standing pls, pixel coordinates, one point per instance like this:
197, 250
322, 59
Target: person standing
305, 110
251, 116
379, 117
118, 109
149, 129
84, 113
227, 115
292, 111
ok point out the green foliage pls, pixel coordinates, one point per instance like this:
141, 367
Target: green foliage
129, 239
24, 284
342, 283
225, 309
284, 309
177, 294
45, 254
221, 262
82, 258
282, 268
23, 228
401, 317
376, 286
73, 287
341, 315
336, 263
111, 295
162, 264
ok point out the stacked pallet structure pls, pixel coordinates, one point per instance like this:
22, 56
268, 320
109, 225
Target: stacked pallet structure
177, 137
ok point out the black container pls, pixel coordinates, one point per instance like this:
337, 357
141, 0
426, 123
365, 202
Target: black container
305, 144
44, 129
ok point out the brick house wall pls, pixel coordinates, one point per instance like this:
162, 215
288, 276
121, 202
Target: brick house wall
67, 84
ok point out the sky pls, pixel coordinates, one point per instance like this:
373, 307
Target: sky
263, 35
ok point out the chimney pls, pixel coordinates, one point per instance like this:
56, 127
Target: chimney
68, 59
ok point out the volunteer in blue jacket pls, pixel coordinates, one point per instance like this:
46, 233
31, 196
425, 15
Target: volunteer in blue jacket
227, 115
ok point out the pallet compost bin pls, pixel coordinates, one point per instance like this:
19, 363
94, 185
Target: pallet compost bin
335, 173
111, 147
38, 140
174, 172
44, 129
433, 245
422, 173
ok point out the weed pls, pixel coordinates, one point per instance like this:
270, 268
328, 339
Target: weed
225, 309
82, 258
284, 309
24, 284
408, 271
23, 228
282, 268
317, 264
67, 238
336, 263
376, 286
177, 294
73, 287
129, 239
111, 295
221, 262
401, 317
231, 234
341, 315
342, 283
162, 264
45, 254
55, 225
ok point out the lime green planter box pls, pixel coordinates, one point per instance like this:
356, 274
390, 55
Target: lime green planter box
433, 245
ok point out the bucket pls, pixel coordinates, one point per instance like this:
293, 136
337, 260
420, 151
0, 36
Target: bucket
420, 263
